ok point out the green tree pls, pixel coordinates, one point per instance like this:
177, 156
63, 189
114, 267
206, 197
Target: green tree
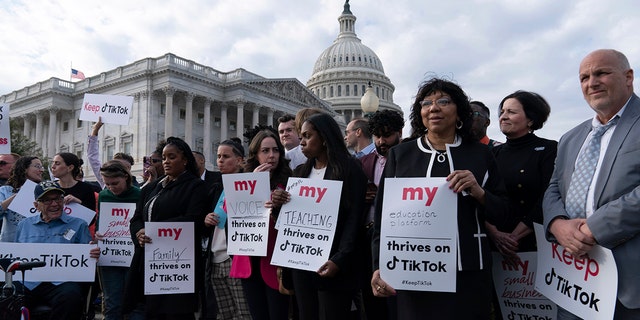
24, 146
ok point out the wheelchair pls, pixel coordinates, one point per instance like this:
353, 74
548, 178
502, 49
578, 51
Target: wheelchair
13, 301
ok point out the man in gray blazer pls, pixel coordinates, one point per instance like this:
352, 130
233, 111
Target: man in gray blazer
611, 215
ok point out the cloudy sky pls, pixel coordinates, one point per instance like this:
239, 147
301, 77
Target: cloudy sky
490, 47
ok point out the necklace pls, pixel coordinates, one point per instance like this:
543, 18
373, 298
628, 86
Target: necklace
441, 156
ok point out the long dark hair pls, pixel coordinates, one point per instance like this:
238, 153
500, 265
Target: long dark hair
282, 172
186, 152
71, 159
337, 153
18, 175
459, 98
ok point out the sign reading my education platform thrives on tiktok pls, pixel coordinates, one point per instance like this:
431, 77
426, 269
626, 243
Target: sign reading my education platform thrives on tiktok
5, 130
585, 286
418, 236
248, 222
112, 109
169, 258
307, 224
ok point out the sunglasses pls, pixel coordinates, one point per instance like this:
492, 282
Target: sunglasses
155, 160
4, 163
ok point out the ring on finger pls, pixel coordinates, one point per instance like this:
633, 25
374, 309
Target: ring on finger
378, 288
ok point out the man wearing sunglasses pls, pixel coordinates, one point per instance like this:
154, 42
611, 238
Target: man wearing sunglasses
481, 120
6, 162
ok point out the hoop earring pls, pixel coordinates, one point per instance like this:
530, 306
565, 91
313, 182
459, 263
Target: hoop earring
459, 124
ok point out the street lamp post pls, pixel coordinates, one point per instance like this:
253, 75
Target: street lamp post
369, 101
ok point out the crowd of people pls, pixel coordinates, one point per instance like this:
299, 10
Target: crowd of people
500, 189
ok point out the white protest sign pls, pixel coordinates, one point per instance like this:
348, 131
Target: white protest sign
307, 224
248, 224
112, 109
169, 258
5, 130
587, 286
419, 224
77, 210
116, 246
23, 202
515, 288
65, 261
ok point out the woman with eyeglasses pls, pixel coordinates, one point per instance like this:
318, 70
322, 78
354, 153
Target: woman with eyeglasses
229, 295
444, 146
180, 196
119, 188
25, 168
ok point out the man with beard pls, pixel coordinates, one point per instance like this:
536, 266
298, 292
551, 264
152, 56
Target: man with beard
386, 128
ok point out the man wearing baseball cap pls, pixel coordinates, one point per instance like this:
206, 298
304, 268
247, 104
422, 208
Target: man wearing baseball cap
66, 299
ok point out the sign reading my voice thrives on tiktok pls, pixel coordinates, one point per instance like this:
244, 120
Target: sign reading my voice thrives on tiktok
112, 109
418, 237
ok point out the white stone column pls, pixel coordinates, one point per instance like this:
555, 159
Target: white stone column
240, 118
224, 123
26, 131
188, 125
168, 111
39, 126
270, 117
206, 136
255, 117
51, 139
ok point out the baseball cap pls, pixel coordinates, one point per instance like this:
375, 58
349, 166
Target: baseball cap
45, 187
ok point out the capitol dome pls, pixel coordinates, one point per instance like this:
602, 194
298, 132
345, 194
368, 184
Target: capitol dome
343, 71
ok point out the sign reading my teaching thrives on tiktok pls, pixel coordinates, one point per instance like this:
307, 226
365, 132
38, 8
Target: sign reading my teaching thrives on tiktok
5, 130
418, 235
169, 258
585, 286
112, 109
248, 219
116, 246
307, 224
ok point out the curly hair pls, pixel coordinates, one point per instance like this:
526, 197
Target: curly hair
385, 121
18, 175
459, 98
281, 173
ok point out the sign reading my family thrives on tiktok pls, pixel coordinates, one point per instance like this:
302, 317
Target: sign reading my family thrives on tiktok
585, 286
169, 258
418, 236
112, 109
248, 219
116, 246
5, 130
306, 224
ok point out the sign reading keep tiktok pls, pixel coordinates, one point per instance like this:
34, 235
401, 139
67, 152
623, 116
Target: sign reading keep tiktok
418, 237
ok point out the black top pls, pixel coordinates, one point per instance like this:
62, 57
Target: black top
526, 165
83, 191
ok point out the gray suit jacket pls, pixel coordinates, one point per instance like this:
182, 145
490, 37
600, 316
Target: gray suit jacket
615, 223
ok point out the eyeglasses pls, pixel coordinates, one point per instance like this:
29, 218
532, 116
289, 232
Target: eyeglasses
155, 160
442, 102
477, 114
4, 163
50, 201
37, 166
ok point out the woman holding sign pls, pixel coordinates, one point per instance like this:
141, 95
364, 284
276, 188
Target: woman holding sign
180, 196
119, 191
328, 292
25, 168
441, 120
66, 167
259, 277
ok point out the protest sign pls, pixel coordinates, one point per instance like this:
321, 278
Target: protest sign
23, 202
307, 224
169, 258
419, 225
77, 210
515, 288
5, 129
112, 109
65, 261
586, 286
248, 226
116, 246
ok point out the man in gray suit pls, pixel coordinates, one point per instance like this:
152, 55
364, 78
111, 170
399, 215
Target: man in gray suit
610, 216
